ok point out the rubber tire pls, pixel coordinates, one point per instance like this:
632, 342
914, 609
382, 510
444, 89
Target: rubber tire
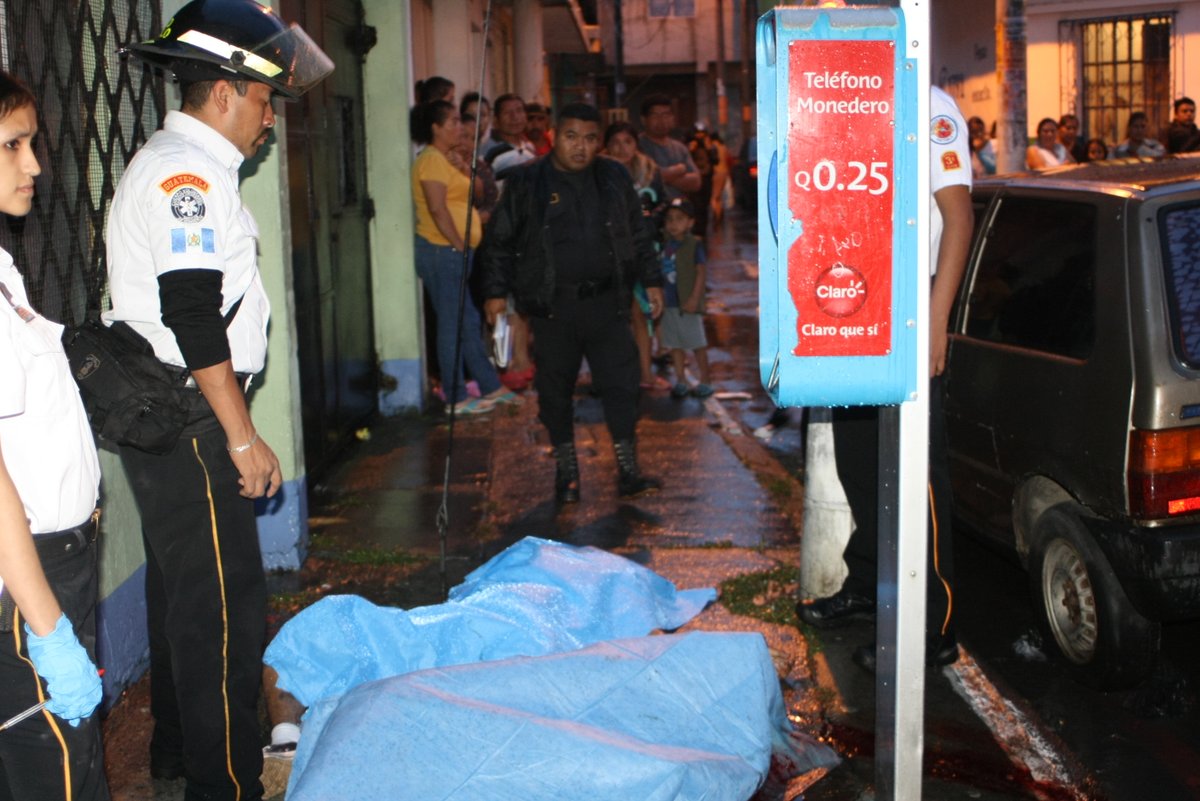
1082, 609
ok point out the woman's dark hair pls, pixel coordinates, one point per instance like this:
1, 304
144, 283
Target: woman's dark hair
435, 88
1045, 120
1088, 147
620, 126
424, 117
14, 94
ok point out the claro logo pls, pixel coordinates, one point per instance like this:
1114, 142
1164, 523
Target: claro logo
840, 291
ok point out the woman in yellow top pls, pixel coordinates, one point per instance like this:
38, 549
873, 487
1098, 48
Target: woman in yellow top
441, 191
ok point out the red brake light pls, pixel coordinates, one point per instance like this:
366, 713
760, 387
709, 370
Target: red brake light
1164, 473
753, 170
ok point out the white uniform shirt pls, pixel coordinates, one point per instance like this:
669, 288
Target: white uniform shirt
44, 432
949, 160
178, 207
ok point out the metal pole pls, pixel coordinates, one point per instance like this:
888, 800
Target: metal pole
619, 65
747, 28
904, 455
722, 100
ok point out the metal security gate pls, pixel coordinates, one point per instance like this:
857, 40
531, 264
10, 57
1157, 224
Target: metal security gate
330, 245
1118, 65
95, 110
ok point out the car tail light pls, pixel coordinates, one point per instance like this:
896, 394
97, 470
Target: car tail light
754, 171
1164, 473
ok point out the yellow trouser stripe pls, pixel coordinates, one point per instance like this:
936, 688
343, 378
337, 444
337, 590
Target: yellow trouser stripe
936, 566
216, 541
46, 713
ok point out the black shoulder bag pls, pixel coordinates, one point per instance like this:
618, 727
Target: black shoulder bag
131, 398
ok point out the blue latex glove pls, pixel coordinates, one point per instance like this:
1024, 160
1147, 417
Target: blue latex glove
71, 678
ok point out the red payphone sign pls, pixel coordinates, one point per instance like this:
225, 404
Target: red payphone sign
841, 118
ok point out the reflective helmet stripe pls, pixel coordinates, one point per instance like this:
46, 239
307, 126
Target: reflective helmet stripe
225, 50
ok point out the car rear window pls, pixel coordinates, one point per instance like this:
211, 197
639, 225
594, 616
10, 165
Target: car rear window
1034, 284
1180, 227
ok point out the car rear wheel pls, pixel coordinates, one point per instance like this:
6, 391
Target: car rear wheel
1106, 642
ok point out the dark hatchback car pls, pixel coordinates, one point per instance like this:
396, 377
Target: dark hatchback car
1073, 400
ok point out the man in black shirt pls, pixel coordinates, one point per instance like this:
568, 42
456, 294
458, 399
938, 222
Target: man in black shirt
567, 241
1182, 134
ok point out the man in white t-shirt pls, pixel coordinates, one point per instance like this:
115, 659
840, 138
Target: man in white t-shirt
856, 429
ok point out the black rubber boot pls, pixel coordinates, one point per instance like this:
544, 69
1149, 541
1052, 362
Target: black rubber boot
566, 474
630, 481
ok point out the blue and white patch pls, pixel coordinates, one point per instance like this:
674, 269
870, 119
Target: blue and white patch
188, 239
187, 204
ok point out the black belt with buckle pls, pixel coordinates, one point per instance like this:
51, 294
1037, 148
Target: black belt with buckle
586, 289
69, 540
51, 547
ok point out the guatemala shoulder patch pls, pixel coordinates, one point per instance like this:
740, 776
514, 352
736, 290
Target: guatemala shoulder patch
950, 161
187, 192
183, 179
943, 130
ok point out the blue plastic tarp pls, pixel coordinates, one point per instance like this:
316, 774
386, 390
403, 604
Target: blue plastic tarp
536, 597
691, 717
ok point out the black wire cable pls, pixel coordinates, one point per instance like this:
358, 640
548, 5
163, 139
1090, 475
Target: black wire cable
443, 513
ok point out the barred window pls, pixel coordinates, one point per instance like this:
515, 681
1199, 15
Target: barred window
94, 110
1122, 65
671, 8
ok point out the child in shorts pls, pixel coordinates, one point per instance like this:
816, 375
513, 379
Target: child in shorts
681, 327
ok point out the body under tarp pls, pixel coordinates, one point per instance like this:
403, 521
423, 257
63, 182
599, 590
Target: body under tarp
535, 680
687, 717
536, 597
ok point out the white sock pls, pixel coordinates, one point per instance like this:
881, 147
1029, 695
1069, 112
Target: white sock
285, 733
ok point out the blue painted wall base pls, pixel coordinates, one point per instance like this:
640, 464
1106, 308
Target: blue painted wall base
122, 645
406, 380
283, 526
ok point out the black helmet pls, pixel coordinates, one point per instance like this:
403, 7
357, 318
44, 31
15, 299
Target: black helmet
212, 39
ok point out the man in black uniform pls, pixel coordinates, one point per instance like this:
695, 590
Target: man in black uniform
568, 243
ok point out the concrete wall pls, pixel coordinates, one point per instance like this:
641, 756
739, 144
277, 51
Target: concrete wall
964, 56
398, 326
670, 40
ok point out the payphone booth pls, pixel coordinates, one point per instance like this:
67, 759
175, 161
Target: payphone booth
843, 144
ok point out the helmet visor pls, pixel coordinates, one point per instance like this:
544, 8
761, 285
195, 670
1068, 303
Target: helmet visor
290, 61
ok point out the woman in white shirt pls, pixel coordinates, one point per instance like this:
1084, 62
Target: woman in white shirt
1047, 151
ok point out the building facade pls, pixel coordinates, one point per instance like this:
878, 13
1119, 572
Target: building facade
1098, 59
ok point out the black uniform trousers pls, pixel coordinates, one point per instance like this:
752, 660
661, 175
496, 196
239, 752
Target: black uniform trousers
593, 327
206, 611
44, 758
856, 446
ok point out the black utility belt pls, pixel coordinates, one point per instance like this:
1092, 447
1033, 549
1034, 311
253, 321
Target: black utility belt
585, 289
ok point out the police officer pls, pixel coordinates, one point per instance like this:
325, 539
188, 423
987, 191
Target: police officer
568, 242
183, 273
49, 476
